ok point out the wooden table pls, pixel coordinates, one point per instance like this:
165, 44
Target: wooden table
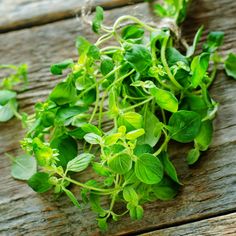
40, 33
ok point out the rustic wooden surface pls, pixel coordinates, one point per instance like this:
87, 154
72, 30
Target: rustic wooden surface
208, 197
217, 226
18, 14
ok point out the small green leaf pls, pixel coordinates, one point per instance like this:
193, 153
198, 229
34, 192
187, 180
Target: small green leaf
65, 113
63, 93
130, 195
173, 56
199, 67
120, 163
230, 65
131, 120
94, 52
5, 96
169, 167
142, 148
72, 197
139, 212
191, 49
39, 182
112, 139
184, 126
193, 156
204, 136
102, 224
98, 19
56, 69
214, 40
165, 99
135, 211
92, 138
132, 32
100, 169
165, 190
106, 67
82, 45
67, 147
130, 177
195, 103
23, 167
132, 135
138, 56
7, 111
80, 163
77, 133
89, 128
148, 169
153, 129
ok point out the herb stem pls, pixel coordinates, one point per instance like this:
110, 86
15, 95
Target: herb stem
99, 82
136, 20
163, 146
138, 104
96, 104
213, 74
105, 191
120, 79
165, 64
101, 110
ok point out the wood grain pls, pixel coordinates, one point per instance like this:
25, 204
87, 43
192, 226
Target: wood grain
18, 14
209, 188
222, 225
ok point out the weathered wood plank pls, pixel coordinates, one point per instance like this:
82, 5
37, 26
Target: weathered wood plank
17, 14
222, 225
209, 188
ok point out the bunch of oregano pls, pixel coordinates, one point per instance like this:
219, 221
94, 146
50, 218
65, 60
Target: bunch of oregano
123, 103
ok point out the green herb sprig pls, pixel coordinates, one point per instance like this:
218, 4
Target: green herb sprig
8, 101
123, 103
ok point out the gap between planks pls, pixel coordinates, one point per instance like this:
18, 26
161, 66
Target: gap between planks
190, 224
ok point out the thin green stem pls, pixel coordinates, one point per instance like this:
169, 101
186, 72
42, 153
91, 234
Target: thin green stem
164, 144
120, 79
101, 110
213, 74
137, 105
136, 20
105, 191
163, 116
96, 104
114, 194
104, 38
205, 95
165, 64
99, 82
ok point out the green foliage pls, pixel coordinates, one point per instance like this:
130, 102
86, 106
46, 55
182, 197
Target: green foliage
97, 20
184, 126
39, 182
120, 163
116, 111
56, 69
80, 162
214, 40
166, 100
193, 156
230, 65
23, 166
138, 56
176, 9
17, 80
148, 169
